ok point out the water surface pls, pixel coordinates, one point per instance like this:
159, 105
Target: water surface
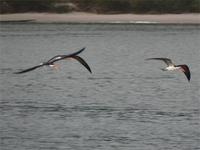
127, 103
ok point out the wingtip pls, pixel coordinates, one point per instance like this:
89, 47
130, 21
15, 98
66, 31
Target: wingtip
152, 58
188, 79
88, 68
18, 72
83, 48
147, 59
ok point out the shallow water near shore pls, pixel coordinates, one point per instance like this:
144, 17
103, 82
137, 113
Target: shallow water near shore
126, 103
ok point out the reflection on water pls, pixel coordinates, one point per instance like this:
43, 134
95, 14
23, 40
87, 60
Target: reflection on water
126, 103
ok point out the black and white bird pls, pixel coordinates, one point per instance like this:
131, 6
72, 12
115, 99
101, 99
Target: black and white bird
51, 62
171, 66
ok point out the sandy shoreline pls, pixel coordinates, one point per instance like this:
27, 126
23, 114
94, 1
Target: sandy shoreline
81, 17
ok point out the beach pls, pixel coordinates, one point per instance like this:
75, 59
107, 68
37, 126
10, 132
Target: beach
82, 17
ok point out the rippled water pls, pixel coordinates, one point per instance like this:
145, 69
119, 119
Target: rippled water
127, 103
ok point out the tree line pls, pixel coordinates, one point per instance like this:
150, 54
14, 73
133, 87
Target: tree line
101, 6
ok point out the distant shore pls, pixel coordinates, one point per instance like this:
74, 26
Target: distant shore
81, 17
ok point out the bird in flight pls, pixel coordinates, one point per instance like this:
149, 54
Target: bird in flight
171, 66
51, 62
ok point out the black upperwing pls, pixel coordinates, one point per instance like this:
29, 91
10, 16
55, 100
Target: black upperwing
166, 60
60, 57
29, 69
83, 62
76, 53
55, 58
185, 69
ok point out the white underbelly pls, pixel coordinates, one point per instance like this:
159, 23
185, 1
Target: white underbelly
171, 68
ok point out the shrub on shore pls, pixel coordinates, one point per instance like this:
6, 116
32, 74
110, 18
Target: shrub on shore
139, 6
101, 6
18, 6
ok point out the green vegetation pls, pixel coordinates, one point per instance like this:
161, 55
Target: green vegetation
139, 6
100, 6
21, 6
16, 6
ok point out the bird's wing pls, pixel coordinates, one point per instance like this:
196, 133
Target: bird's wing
166, 60
29, 69
76, 53
185, 69
82, 61
60, 57
55, 58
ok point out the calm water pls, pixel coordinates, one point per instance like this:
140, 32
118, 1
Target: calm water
123, 105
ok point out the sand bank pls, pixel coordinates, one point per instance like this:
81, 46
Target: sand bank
81, 17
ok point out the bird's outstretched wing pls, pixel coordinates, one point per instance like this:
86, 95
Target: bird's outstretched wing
83, 62
76, 53
166, 60
29, 69
60, 57
185, 69
55, 58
